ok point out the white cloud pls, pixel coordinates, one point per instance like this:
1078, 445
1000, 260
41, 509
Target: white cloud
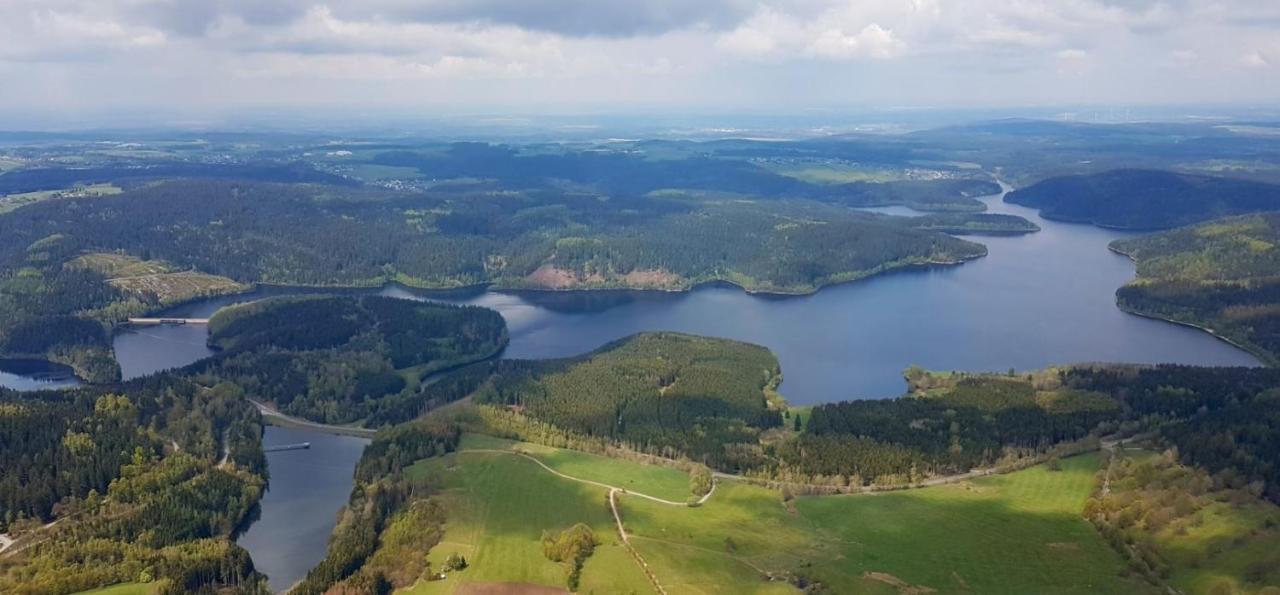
838, 32
1255, 59
663, 52
872, 41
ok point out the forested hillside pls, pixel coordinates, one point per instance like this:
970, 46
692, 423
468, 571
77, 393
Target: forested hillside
1220, 419
342, 359
1223, 276
253, 232
1145, 199
663, 392
146, 483
951, 424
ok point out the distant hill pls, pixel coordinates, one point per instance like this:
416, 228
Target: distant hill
1145, 199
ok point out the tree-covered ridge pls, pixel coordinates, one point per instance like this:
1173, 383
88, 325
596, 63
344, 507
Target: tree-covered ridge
1223, 275
950, 423
66, 444
663, 392
1145, 199
649, 167
338, 359
310, 235
974, 224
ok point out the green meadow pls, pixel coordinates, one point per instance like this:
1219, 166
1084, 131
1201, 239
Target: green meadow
1016, 533
498, 506
126, 589
655, 480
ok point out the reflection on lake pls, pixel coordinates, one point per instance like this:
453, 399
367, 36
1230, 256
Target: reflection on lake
34, 374
300, 508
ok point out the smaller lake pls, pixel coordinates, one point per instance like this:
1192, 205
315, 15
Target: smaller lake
306, 491
34, 374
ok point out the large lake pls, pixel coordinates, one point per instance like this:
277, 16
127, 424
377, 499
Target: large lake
1036, 300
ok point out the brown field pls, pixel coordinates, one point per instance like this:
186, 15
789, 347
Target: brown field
156, 279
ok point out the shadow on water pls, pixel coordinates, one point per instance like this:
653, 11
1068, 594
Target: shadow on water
35, 374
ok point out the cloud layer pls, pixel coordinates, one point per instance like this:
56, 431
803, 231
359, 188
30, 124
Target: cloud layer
776, 55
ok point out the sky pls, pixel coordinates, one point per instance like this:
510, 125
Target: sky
776, 56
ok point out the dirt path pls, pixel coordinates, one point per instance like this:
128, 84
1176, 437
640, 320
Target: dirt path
626, 542
1110, 447
588, 481
226, 450
613, 506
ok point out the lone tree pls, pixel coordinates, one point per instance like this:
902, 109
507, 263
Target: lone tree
700, 481
572, 546
455, 561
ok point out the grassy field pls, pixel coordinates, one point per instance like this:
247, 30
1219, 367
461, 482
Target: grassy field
1018, 533
1220, 544
498, 506
126, 589
654, 480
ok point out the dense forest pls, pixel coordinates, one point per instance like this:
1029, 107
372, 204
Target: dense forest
315, 235
1219, 419
1223, 275
146, 483
953, 423
1145, 199
664, 393
342, 359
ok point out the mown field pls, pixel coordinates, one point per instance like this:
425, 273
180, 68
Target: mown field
498, 505
1017, 533
654, 480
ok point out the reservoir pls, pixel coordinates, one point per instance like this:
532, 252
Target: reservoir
1035, 300
307, 489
